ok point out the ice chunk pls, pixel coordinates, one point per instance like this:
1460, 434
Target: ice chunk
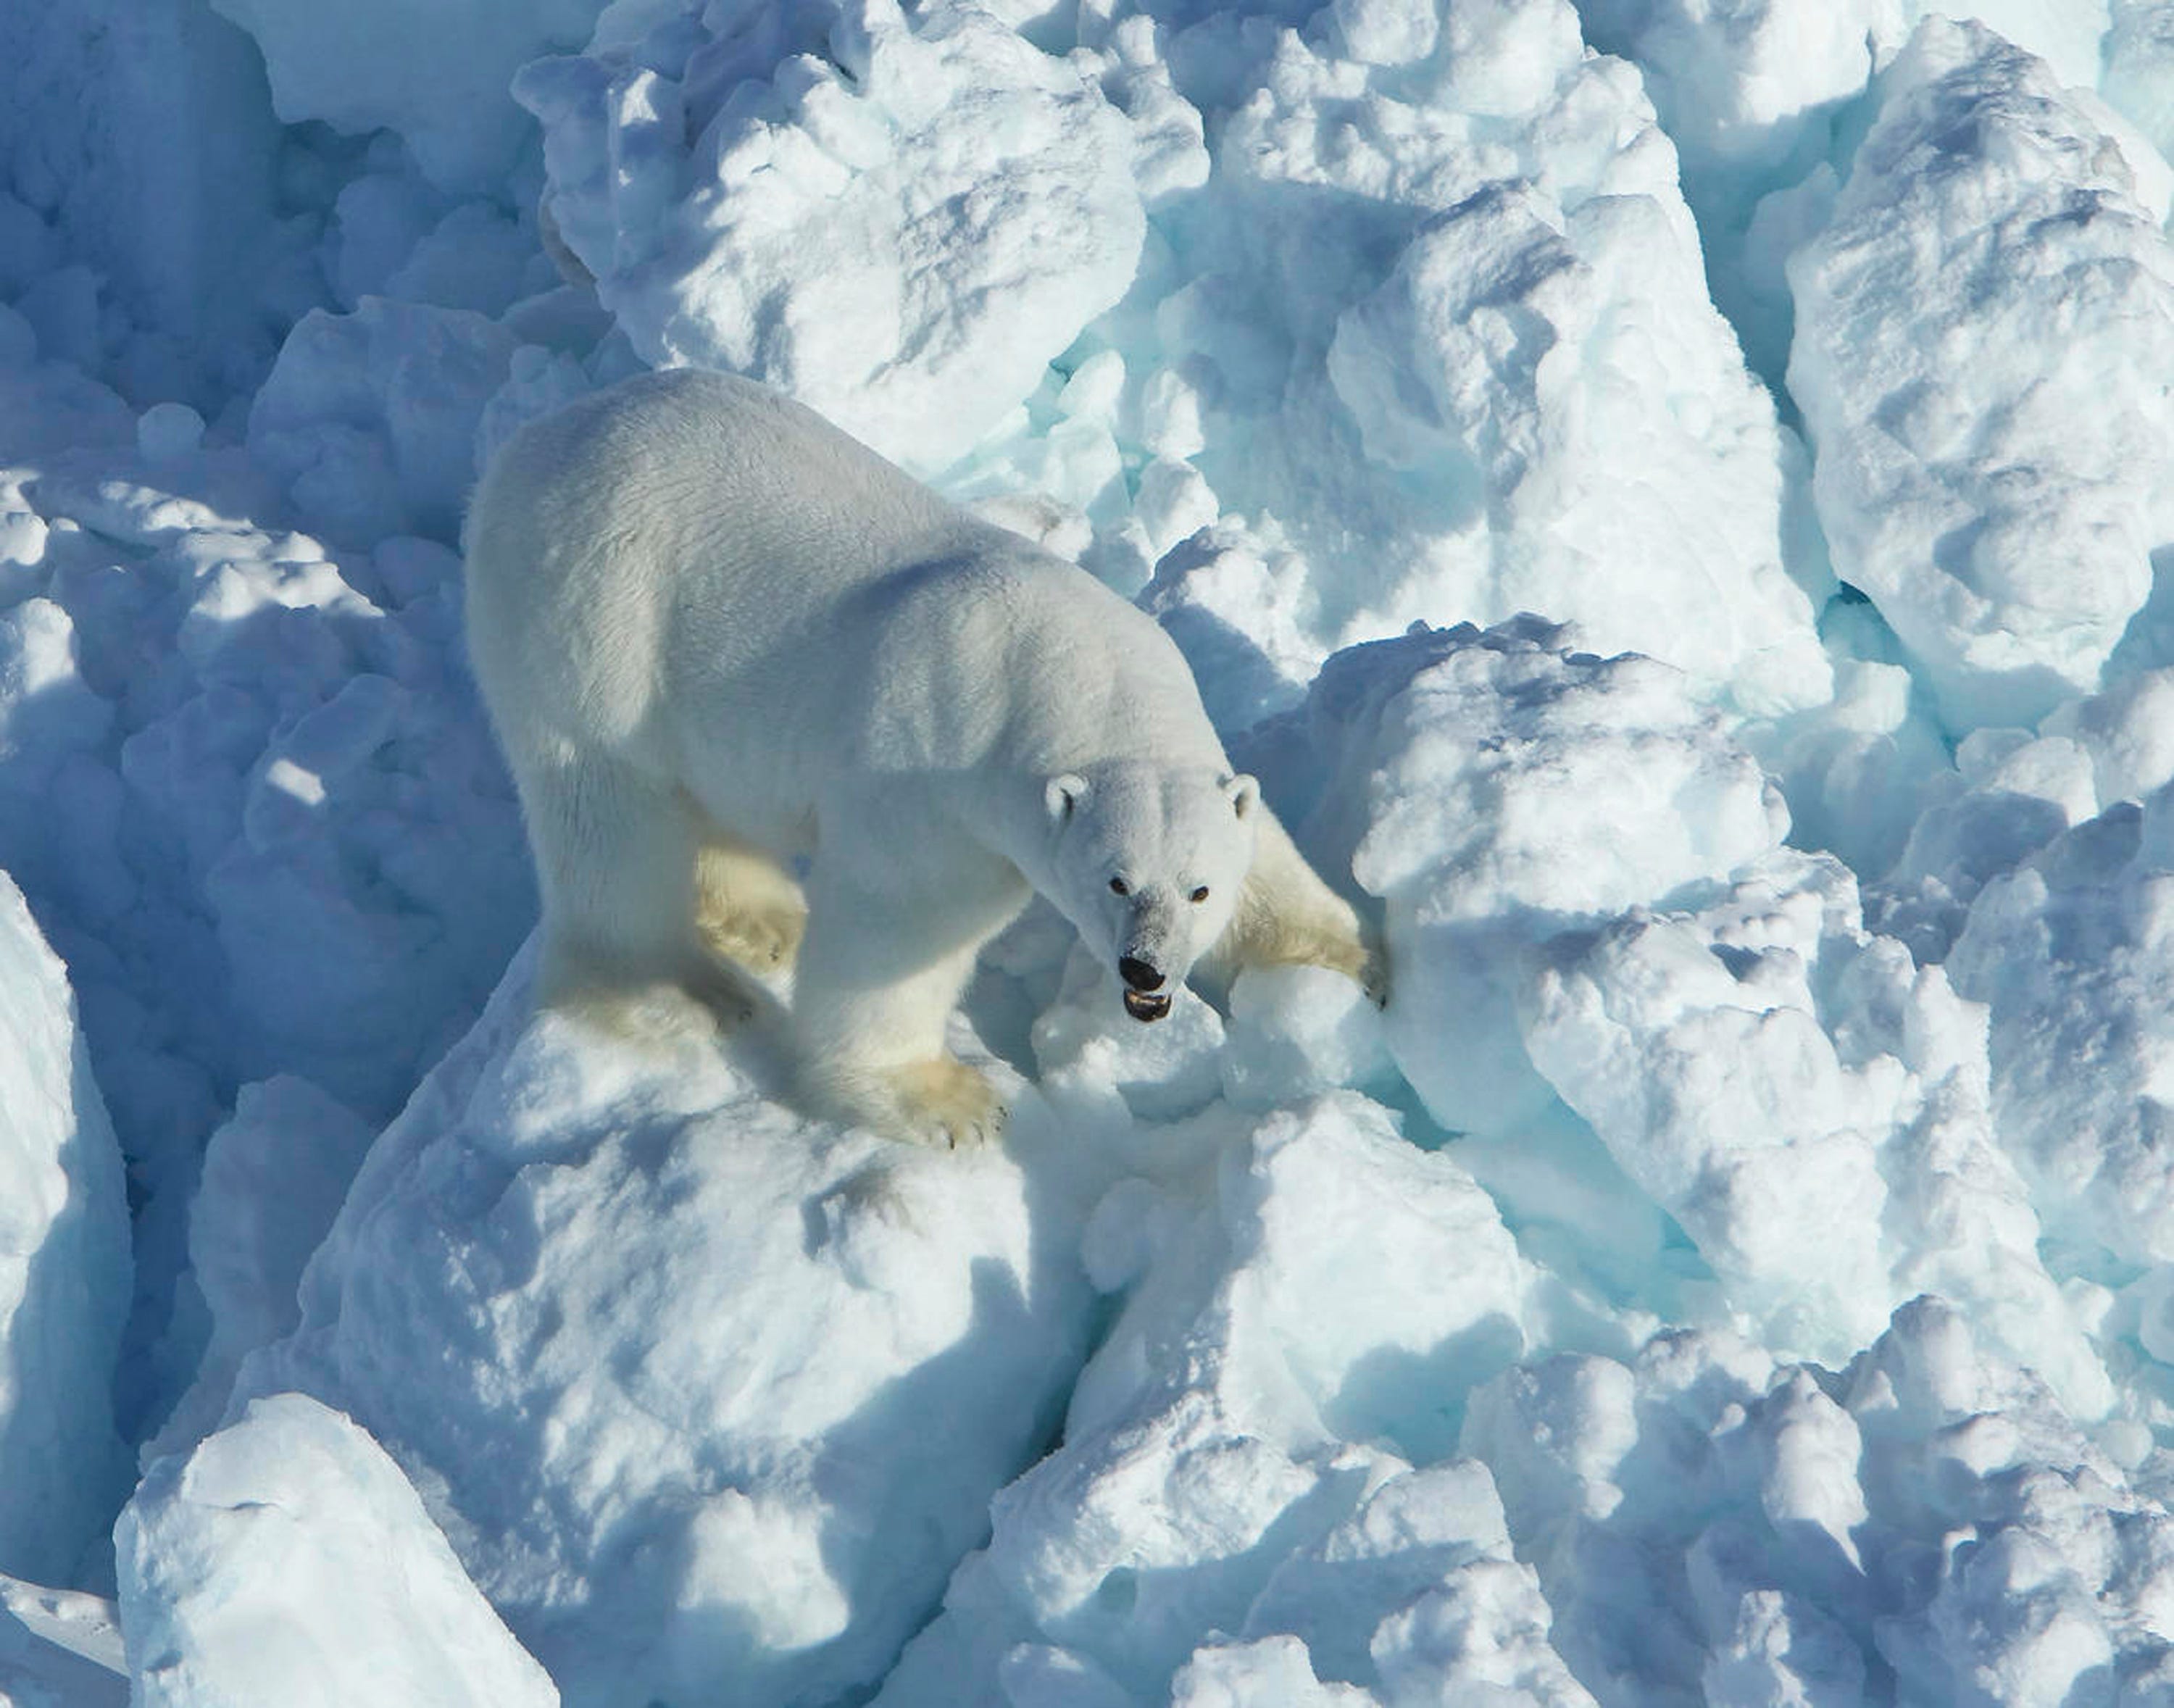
1859, 771
1753, 94
1296, 1032
372, 417
1931, 1510
142, 131
902, 223
169, 431
2128, 733
287, 1559
1812, 1109
1749, 92
1424, 1565
363, 67
1460, 293
1459, 369
273, 1176
60, 1647
697, 1389
2059, 1554
2071, 951
64, 1269
1976, 335
1496, 788
1271, 1669
1330, 1285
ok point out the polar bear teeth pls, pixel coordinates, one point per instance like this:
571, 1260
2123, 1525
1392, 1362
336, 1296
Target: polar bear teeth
1143, 1007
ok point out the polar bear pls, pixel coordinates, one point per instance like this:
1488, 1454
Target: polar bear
722, 641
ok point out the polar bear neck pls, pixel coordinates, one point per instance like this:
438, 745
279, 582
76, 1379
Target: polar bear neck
1021, 663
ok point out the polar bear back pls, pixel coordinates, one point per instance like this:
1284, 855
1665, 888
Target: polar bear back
671, 498
715, 584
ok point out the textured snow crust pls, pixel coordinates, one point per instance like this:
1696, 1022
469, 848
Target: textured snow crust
1670, 499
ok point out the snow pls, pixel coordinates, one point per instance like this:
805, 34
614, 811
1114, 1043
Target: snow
974, 196
64, 1267
436, 76
1670, 497
1238, 1454
2068, 951
287, 1557
827, 1354
61, 1647
1947, 467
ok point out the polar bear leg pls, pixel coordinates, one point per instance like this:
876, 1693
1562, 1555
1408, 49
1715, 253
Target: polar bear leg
1288, 916
615, 856
747, 906
879, 974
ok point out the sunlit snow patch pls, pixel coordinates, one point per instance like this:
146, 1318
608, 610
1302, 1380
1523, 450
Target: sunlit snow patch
1308, 1299
1714, 1527
899, 219
698, 1389
286, 1559
1982, 334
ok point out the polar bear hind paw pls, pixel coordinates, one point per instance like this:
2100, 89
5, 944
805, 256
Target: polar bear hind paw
761, 941
698, 998
661, 1012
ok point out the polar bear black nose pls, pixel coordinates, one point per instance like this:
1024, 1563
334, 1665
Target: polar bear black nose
1138, 974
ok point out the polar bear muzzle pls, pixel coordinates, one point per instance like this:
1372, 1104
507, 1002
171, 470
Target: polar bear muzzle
1145, 998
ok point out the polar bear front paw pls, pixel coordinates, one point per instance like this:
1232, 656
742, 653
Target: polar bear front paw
1365, 962
947, 1104
1374, 977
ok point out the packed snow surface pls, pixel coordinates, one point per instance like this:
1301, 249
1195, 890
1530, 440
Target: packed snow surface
1669, 496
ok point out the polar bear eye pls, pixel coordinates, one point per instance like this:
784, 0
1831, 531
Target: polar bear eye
1201, 894
1118, 887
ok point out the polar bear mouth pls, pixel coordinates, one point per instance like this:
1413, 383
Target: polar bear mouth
1142, 1005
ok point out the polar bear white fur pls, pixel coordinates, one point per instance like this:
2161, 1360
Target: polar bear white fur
719, 639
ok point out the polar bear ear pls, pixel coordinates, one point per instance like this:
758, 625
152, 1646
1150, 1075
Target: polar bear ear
1063, 793
1243, 793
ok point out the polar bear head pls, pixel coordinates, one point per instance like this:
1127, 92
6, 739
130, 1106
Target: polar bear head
1148, 862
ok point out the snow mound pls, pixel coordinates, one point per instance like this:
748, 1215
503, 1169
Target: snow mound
972, 199
273, 1176
1980, 332
371, 418
2073, 954
436, 73
140, 138
1814, 1110
1711, 1527
1307, 1299
1496, 787
1450, 295
246, 787
64, 1267
698, 1390
60, 1648
287, 1559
